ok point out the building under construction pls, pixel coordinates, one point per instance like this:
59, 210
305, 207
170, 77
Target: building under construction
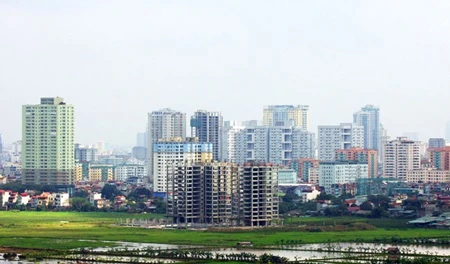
223, 194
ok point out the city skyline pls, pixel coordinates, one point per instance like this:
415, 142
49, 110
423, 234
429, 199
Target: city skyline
334, 57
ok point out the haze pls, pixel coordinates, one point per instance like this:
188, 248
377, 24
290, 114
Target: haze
115, 61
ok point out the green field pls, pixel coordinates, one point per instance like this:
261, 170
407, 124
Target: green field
65, 230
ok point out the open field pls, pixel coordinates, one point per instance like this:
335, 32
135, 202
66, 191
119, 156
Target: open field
319, 221
50, 231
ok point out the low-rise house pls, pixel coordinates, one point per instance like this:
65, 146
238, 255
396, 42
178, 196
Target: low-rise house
94, 196
61, 200
23, 199
45, 199
4, 197
12, 197
102, 203
120, 201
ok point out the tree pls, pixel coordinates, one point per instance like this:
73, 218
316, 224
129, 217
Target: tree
378, 212
324, 196
366, 206
110, 191
379, 199
80, 193
80, 204
160, 206
139, 193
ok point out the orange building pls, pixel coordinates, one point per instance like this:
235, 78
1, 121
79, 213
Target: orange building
369, 156
440, 158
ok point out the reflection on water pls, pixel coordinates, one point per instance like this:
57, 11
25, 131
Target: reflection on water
294, 252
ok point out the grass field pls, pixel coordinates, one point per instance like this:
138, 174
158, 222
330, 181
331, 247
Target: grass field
319, 221
65, 230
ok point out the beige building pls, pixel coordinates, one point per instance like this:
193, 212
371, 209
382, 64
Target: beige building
313, 175
48, 148
400, 156
286, 115
428, 175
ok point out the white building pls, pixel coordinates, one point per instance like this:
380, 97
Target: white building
369, 118
400, 156
278, 145
230, 130
163, 124
61, 200
287, 176
177, 152
343, 136
207, 127
124, 172
340, 172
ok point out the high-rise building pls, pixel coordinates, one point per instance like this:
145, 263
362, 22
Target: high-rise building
48, 148
207, 127
278, 145
174, 152
436, 143
224, 193
368, 156
303, 166
83, 154
205, 193
369, 118
139, 153
286, 115
230, 130
447, 131
400, 156
141, 139
440, 158
340, 172
1, 143
258, 186
343, 136
163, 124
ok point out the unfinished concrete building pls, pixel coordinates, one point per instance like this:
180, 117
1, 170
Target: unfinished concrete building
223, 194
258, 184
202, 193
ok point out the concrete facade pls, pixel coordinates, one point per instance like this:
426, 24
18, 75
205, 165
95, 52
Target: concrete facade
400, 156
48, 146
343, 136
286, 115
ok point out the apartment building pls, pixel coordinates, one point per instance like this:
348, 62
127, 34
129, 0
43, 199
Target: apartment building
340, 172
428, 175
173, 152
48, 146
286, 115
369, 118
203, 193
224, 194
278, 145
360, 155
302, 167
163, 124
400, 156
208, 127
440, 158
342, 136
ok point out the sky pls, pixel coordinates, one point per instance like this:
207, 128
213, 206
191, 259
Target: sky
116, 61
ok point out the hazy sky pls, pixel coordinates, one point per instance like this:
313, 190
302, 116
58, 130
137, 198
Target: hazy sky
115, 61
